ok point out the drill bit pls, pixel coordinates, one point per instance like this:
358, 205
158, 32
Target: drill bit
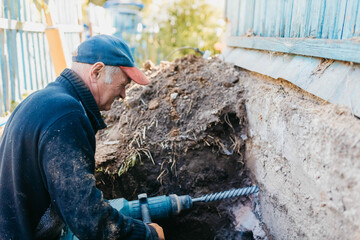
227, 194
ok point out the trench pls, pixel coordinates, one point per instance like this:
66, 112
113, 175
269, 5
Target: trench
201, 170
186, 133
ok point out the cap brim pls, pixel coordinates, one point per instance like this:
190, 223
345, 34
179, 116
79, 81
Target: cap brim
136, 75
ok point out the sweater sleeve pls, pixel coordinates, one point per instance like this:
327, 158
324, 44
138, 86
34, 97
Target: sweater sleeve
66, 155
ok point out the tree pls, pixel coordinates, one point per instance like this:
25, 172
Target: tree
193, 23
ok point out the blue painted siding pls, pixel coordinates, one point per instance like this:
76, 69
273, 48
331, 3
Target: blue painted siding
295, 26
326, 19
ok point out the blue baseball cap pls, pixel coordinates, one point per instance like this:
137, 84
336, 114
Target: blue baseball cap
111, 51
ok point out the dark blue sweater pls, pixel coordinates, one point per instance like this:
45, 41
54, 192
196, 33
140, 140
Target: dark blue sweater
47, 159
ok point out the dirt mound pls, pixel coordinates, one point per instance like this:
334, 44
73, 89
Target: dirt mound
184, 133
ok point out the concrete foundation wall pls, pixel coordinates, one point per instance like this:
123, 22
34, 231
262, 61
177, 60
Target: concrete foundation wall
305, 155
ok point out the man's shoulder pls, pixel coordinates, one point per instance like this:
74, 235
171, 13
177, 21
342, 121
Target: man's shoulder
54, 92
54, 98
46, 106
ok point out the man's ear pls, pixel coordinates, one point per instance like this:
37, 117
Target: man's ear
95, 71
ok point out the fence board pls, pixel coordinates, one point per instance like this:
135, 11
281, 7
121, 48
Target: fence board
11, 59
263, 14
33, 60
21, 33
41, 62
242, 18
249, 21
234, 17
45, 54
4, 72
3, 76
288, 17
330, 18
279, 9
314, 16
257, 17
269, 18
20, 88
296, 18
339, 22
334, 49
350, 19
282, 21
357, 23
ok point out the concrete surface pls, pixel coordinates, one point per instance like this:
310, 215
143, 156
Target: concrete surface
305, 155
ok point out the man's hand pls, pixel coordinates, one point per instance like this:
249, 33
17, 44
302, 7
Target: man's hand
159, 230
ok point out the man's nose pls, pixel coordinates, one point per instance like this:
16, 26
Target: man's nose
123, 94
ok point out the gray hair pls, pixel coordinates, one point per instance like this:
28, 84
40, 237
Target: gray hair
110, 71
84, 67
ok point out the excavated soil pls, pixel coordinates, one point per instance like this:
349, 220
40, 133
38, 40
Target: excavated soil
184, 133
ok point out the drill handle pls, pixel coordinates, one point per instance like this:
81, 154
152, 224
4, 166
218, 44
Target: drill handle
145, 213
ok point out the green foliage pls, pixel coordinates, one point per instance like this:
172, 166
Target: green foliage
14, 104
129, 163
134, 157
192, 23
98, 2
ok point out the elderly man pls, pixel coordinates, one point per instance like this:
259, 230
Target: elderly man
47, 152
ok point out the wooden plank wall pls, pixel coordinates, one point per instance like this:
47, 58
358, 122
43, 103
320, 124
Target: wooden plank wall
24, 51
275, 24
327, 19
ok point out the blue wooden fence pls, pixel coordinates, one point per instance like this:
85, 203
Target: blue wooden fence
24, 51
320, 28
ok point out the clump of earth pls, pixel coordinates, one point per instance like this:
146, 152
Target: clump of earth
184, 133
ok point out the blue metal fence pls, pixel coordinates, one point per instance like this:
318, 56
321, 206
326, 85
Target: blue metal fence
24, 51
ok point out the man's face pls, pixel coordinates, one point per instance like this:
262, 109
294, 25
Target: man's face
108, 92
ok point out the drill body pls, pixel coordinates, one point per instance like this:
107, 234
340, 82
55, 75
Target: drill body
158, 207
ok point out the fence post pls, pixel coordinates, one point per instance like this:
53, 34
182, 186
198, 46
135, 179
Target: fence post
55, 43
